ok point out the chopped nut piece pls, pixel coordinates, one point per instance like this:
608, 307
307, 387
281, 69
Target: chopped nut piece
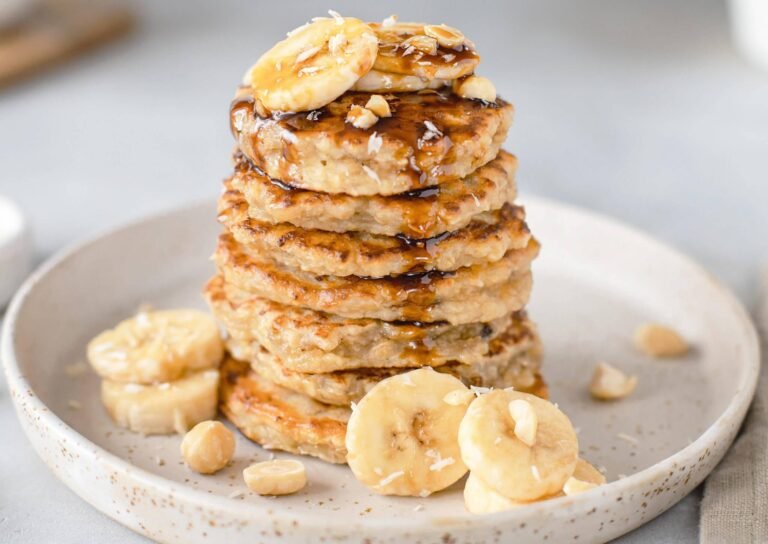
389, 21
208, 447
459, 397
445, 35
573, 486
475, 87
361, 117
379, 105
419, 42
660, 341
610, 383
526, 422
278, 477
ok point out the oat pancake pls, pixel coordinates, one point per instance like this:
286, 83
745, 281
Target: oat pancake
422, 213
281, 419
509, 364
486, 239
432, 137
316, 342
470, 294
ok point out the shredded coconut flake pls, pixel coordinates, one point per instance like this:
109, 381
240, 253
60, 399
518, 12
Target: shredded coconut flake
336, 16
371, 174
297, 29
424, 493
418, 508
535, 472
378, 471
391, 478
628, 438
407, 379
448, 57
374, 143
440, 464
353, 405
236, 495
307, 53
431, 126
289, 137
477, 390
497, 441
308, 70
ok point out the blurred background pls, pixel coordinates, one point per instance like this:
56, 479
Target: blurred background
644, 110
654, 112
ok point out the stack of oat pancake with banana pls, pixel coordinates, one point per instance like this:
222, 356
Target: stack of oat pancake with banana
370, 229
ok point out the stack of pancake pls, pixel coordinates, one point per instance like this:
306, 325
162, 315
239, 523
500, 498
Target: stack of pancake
352, 254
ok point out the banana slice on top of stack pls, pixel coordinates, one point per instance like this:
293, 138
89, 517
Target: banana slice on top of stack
160, 370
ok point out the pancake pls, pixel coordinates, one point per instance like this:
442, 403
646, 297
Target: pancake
470, 294
486, 239
281, 419
316, 342
424, 213
509, 364
432, 137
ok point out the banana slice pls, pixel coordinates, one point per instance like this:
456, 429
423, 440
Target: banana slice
157, 347
165, 408
490, 446
409, 49
480, 498
383, 82
277, 477
401, 437
315, 65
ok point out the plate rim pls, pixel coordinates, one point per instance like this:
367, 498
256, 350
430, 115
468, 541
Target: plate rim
15, 379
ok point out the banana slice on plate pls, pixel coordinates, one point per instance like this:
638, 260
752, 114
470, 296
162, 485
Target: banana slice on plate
480, 498
401, 437
491, 447
165, 408
276, 477
383, 82
425, 51
314, 65
157, 347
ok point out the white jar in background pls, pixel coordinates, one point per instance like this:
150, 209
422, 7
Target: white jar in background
749, 20
15, 249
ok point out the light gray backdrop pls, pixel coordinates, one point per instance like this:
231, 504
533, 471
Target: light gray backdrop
639, 109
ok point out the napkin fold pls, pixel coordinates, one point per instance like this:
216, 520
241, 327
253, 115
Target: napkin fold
735, 505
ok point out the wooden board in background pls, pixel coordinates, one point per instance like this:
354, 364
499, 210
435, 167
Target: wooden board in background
58, 30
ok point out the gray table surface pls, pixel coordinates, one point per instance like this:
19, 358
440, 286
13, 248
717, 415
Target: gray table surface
641, 110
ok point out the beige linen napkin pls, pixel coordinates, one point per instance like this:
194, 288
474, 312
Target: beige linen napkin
735, 505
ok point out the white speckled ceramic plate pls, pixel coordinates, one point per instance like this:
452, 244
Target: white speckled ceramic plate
595, 282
